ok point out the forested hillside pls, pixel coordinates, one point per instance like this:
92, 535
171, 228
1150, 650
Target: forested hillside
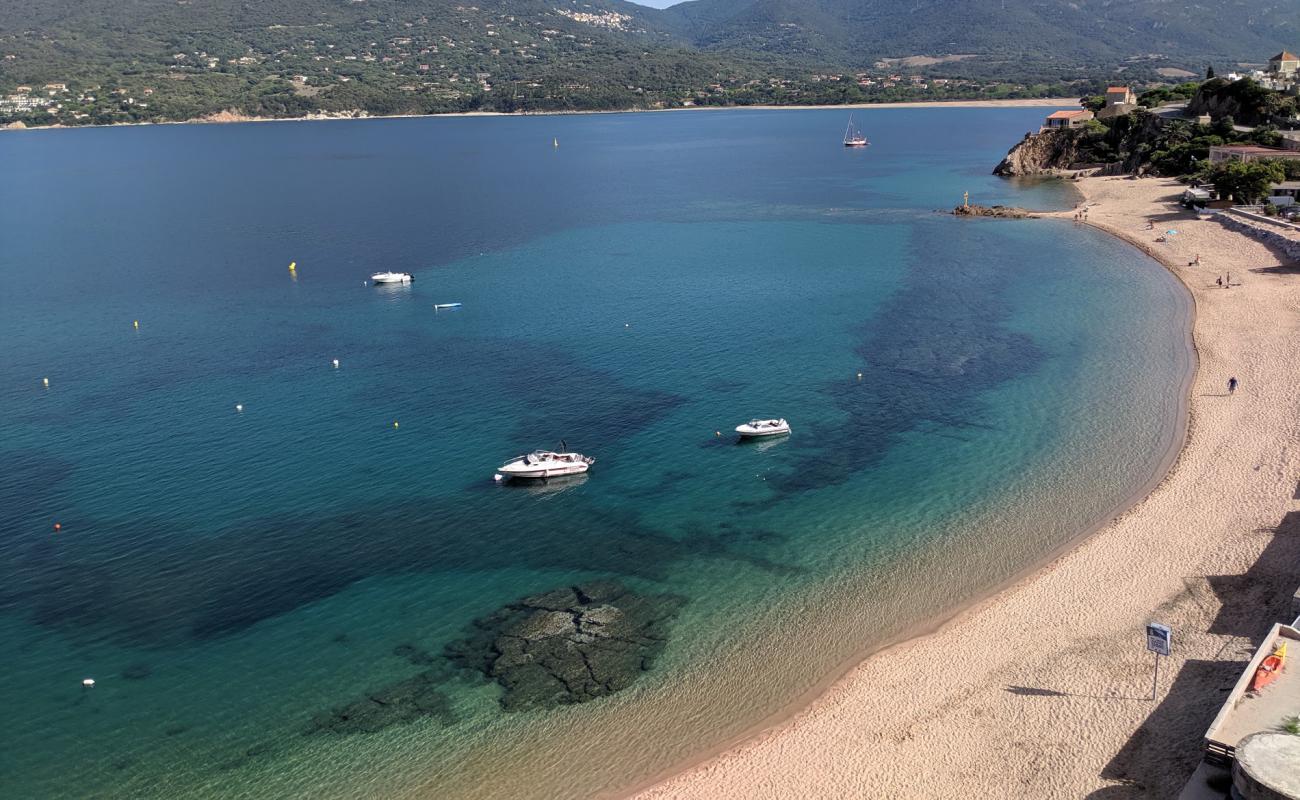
132, 60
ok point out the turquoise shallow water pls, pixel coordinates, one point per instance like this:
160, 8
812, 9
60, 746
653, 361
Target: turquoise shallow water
226, 575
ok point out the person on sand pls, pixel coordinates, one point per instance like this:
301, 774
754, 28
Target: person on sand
1232, 385
1219, 280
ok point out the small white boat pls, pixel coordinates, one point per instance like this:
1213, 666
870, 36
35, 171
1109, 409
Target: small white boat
545, 464
763, 427
853, 135
445, 306
392, 277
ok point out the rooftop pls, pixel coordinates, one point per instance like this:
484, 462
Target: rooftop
1067, 114
1248, 149
1285, 56
1247, 712
1117, 89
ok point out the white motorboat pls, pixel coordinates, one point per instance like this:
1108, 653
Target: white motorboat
392, 277
763, 427
545, 464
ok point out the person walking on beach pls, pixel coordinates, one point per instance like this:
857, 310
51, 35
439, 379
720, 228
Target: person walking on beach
1219, 280
1232, 385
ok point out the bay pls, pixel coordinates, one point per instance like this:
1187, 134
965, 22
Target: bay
228, 576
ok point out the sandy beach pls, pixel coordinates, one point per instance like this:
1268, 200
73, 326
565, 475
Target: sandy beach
231, 117
1044, 690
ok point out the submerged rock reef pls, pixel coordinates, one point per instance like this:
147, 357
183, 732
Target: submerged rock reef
569, 645
396, 704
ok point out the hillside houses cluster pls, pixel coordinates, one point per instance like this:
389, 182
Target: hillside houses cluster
1282, 73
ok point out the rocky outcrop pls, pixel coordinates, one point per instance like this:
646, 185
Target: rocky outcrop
1039, 154
1003, 212
569, 645
397, 704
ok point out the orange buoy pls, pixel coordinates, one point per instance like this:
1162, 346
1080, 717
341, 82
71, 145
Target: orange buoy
57, 527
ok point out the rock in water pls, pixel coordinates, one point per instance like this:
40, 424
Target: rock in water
397, 704
1004, 212
569, 645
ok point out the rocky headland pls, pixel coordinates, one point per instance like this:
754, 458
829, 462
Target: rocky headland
569, 645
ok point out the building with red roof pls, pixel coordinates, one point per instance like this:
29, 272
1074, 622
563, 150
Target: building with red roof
1059, 120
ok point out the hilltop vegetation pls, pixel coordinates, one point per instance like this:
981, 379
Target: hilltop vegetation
1171, 141
133, 60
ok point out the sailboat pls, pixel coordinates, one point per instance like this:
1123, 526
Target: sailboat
853, 136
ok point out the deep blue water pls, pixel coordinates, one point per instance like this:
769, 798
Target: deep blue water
966, 395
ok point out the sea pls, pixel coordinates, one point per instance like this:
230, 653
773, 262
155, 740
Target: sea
231, 535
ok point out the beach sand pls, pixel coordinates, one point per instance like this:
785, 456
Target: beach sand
1044, 690
231, 117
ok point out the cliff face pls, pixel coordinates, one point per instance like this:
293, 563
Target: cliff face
1039, 153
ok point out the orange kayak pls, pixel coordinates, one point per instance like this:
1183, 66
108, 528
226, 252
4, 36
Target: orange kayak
1269, 670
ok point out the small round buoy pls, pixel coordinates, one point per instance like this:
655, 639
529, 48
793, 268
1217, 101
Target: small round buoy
627, 324
89, 683
293, 265
45, 382
859, 376
137, 324
394, 423
336, 363
57, 527
717, 433
496, 476
239, 406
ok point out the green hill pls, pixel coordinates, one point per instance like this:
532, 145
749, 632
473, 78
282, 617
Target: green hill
857, 32
127, 60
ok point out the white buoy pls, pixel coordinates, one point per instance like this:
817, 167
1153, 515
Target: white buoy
89, 683
137, 324
336, 363
239, 406
859, 376
45, 382
497, 477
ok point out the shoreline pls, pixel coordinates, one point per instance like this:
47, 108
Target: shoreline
228, 118
808, 747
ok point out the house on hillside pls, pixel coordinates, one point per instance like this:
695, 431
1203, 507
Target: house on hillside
1248, 153
1120, 100
1060, 120
1284, 65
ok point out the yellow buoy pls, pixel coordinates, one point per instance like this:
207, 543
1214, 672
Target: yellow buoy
394, 423
293, 265
137, 324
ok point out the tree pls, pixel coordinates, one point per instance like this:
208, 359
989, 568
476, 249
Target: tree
1245, 182
1093, 103
1209, 73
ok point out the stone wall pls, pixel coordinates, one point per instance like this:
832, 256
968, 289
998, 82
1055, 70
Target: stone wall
1263, 231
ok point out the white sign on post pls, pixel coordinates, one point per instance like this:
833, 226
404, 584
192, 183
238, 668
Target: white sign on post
1159, 638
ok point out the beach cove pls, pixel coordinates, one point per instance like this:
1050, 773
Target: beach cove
1044, 688
275, 586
